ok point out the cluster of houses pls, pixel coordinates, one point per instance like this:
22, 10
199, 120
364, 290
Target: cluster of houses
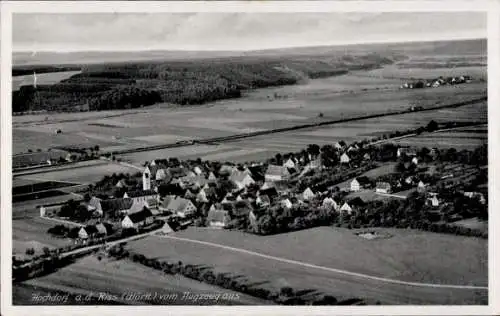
434, 83
255, 186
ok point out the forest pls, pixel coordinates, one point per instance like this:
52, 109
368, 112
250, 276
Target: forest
133, 85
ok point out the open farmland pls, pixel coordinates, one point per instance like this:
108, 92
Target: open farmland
117, 278
27, 231
462, 138
408, 256
81, 175
41, 78
336, 97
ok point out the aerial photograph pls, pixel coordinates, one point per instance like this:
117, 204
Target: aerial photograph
213, 158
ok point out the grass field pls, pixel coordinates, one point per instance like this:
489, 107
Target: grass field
463, 138
119, 278
27, 232
82, 175
409, 255
262, 109
42, 79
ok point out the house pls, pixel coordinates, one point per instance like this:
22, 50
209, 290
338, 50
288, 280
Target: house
201, 197
344, 158
189, 195
286, 203
177, 205
218, 218
197, 170
144, 195
121, 184
89, 231
241, 180
346, 208
383, 187
263, 201
227, 169
276, 173
102, 231
330, 203
339, 145
308, 194
435, 84
212, 177
359, 183
289, 164
94, 205
366, 156
414, 161
421, 186
433, 201
406, 151
138, 219
163, 175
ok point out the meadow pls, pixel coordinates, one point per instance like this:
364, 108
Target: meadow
117, 278
41, 78
408, 256
260, 109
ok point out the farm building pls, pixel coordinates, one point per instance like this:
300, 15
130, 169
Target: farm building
308, 194
227, 169
433, 201
241, 180
94, 205
289, 163
202, 196
144, 195
138, 219
383, 187
263, 201
38, 158
197, 170
366, 156
346, 208
406, 151
121, 184
421, 186
218, 218
177, 205
339, 145
211, 177
328, 202
359, 183
277, 173
92, 231
414, 161
286, 203
344, 158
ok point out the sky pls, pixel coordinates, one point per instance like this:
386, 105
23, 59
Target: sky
234, 31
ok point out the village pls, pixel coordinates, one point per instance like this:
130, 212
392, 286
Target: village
437, 82
354, 186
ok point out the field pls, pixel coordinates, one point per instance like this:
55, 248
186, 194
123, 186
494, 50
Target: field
30, 232
117, 278
41, 79
262, 109
408, 256
462, 138
80, 175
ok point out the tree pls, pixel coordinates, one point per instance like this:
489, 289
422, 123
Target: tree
432, 126
279, 159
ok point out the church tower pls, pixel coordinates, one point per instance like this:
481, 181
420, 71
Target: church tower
146, 179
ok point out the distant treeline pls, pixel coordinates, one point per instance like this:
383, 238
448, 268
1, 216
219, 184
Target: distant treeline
132, 85
28, 70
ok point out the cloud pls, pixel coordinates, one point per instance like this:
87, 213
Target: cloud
234, 31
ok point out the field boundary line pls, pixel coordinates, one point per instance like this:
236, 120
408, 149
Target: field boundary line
340, 271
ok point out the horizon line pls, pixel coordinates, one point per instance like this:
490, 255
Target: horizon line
104, 50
